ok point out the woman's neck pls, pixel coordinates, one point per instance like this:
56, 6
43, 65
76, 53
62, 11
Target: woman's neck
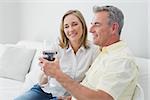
75, 46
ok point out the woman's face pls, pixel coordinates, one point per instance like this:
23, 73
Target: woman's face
73, 28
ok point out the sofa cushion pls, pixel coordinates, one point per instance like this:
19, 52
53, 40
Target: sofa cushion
33, 45
15, 61
32, 77
144, 74
9, 88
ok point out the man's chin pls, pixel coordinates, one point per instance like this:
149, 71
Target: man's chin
95, 42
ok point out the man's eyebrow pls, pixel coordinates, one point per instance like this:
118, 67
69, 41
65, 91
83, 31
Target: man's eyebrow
95, 23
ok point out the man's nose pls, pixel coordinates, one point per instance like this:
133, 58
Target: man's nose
91, 29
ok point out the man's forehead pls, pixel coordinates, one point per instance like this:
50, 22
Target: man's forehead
95, 19
100, 16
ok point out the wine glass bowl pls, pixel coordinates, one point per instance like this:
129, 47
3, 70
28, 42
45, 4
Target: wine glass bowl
48, 55
48, 52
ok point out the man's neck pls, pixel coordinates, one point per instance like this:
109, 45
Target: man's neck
112, 40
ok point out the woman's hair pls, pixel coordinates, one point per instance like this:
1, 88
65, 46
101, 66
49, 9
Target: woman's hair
63, 41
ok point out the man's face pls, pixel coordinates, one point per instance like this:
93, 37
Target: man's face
100, 29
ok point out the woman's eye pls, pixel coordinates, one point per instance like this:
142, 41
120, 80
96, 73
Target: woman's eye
74, 24
66, 26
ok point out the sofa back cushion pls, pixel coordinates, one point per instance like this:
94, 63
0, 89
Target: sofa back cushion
32, 77
15, 61
144, 74
33, 45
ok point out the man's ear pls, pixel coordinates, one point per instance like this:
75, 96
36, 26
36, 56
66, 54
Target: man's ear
115, 27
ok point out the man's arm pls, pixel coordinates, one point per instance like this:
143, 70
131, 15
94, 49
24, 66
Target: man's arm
78, 90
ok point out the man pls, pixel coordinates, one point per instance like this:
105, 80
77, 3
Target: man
113, 75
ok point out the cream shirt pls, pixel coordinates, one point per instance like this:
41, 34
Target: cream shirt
114, 72
73, 65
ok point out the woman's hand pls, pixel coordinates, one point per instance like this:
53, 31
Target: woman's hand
50, 68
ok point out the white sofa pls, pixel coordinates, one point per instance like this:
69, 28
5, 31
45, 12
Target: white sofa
9, 88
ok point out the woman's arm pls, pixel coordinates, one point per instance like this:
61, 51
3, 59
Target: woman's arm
43, 79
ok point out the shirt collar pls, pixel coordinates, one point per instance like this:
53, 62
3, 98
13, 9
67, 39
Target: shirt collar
69, 48
113, 47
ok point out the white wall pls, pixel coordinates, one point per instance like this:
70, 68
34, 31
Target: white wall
149, 44
40, 19
9, 22
149, 31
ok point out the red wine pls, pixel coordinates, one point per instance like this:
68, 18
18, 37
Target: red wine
50, 55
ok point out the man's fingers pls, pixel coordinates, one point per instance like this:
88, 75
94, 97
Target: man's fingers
56, 61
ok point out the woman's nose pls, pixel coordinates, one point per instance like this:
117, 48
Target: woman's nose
71, 29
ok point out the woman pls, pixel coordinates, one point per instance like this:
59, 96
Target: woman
75, 55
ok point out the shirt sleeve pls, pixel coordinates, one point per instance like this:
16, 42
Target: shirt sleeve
117, 76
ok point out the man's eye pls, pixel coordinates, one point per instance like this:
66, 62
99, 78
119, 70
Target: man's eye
97, 24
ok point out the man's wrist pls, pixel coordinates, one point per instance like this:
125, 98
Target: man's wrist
58, 74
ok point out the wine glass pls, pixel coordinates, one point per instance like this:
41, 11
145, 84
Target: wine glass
48, 52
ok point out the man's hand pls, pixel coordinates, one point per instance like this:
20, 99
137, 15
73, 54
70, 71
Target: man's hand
50, 68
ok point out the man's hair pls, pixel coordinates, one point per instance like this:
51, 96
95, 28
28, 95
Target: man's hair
115, 15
